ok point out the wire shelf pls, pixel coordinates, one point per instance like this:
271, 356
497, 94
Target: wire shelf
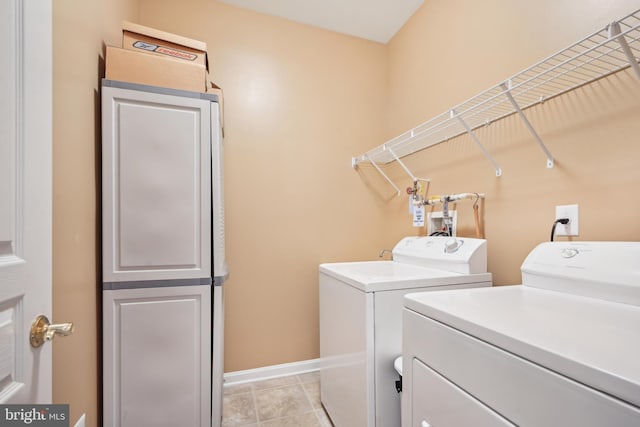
607, 51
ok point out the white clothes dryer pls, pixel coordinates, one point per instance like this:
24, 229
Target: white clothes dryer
562, 349
361, 316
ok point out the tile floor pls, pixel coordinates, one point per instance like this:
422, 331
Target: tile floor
287, 401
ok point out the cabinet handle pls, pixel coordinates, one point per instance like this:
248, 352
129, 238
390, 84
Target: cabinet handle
424, 424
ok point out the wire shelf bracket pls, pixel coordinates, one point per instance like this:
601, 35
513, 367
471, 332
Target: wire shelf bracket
375, 165
605, 52
473, 136
406, 169
615, 32
507, 91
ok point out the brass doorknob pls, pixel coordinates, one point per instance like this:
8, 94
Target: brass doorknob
43, 331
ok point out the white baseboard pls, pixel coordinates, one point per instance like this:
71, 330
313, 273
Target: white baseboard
274, 371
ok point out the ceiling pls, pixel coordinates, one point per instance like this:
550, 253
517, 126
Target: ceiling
376, 20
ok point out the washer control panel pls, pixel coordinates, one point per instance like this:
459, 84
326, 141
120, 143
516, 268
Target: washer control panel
456, 254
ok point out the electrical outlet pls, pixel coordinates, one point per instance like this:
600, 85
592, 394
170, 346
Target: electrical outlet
571, 212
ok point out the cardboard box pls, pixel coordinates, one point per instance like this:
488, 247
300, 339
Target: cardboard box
217, 90
155, 42
135, 67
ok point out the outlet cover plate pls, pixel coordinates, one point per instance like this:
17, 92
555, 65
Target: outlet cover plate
571, 212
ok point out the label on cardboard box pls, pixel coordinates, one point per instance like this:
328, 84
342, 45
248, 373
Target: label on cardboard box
165, 50
137, 37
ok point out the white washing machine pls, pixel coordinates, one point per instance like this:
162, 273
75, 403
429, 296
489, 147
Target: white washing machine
361, 321
562, 349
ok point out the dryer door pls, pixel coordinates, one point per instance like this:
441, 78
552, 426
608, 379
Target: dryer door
439, 402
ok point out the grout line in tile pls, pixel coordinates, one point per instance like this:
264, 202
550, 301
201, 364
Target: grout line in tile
298, 382
255, 405
306, 394
304, 390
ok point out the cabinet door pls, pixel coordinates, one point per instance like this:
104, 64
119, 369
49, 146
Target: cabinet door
156, 186
157, 357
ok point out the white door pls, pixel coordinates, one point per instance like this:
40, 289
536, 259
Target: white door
25, 197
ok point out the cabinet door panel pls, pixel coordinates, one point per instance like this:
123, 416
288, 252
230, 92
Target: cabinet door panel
157, 358
156, 186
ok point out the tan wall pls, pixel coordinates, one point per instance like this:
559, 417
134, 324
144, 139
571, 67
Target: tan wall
299, 102
450, 51
80, 29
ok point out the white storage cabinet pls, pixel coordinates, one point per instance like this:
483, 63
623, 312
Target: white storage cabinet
157, 258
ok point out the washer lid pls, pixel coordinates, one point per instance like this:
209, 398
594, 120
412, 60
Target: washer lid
372, 276
595, 342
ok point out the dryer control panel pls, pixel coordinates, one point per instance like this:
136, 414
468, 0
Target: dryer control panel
605, 270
